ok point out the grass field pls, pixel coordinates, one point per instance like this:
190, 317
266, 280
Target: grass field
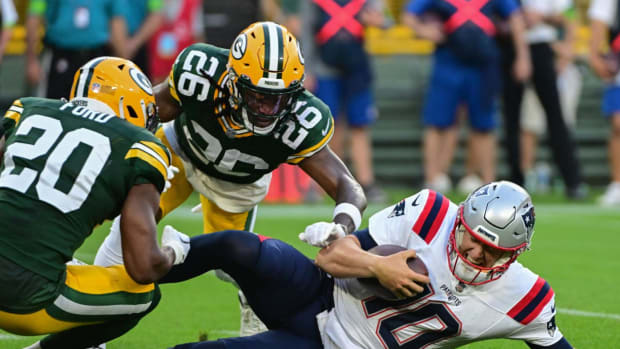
575, 248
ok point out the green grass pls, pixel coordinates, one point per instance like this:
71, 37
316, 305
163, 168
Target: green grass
574, 248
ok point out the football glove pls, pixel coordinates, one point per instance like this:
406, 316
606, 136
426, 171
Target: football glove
177, 241
321, 234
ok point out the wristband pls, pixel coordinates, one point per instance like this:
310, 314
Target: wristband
351, 211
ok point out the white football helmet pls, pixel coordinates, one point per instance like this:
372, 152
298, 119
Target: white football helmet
500, 215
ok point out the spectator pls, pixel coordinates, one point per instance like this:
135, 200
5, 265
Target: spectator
533, 123
76, 32
223, 20
605, 16
466, 65
182, 27
342, 73
8, 18
144, 18
541, 18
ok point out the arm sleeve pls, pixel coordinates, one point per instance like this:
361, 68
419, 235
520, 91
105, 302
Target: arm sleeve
151, 161
11, 117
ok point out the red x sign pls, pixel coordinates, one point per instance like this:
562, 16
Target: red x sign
469, 11
341, 17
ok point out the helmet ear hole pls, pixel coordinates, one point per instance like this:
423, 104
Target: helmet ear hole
132, 112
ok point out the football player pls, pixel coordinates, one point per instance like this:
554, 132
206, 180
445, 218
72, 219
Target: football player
232, 117
67, 167
475, 290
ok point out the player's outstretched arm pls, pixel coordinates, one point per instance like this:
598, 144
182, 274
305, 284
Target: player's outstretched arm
333, 176
144, 260
167, 106
345, 258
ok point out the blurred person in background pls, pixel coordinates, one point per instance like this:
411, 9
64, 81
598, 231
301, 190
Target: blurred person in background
542, 19
144, 18
8, 18
341, 75
605, 20
465, 71
75, 32
224, 20
533, 125
182, 27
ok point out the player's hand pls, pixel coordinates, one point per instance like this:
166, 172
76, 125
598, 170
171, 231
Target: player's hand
522, 68
172, 171
394, 274
321, 234
177, 241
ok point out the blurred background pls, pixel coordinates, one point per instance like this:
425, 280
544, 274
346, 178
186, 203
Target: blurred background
401, 63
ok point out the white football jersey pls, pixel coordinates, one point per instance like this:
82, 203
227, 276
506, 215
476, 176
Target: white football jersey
519, 305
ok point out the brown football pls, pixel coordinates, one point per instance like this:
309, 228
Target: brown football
373, 284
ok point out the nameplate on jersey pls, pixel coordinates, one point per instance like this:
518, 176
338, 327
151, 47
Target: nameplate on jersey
433, 213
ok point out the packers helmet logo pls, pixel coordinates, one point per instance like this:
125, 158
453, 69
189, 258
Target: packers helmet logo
301, 56
239, 46
141, 80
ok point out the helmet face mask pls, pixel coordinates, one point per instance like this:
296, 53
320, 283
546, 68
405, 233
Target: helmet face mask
122, 86
265, 75
500, 217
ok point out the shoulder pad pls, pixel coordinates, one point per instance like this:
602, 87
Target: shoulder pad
313, 125
187, 80
533, 302
155, 155
420, 215
431, 208
15, 111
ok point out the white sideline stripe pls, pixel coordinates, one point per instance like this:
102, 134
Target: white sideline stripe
72, 307
12, 337
588, 314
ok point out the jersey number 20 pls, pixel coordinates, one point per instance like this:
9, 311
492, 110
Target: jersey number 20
21, 178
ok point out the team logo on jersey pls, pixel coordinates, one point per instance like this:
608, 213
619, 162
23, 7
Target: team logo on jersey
451, 297
301, 56
528, 218
239, 46
141, 80
399, 210
96, 87
551, 327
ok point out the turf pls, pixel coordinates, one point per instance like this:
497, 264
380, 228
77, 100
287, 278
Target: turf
574, 248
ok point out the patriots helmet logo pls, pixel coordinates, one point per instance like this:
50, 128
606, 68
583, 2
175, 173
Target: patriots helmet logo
529, 218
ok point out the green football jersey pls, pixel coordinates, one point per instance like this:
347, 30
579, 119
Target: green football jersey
239, 156
65, 170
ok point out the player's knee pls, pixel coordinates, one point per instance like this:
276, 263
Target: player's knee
240, 245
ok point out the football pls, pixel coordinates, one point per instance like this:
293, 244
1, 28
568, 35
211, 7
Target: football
375, 286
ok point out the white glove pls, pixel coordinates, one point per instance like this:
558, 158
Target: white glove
172, 170
321, 234
177, 241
